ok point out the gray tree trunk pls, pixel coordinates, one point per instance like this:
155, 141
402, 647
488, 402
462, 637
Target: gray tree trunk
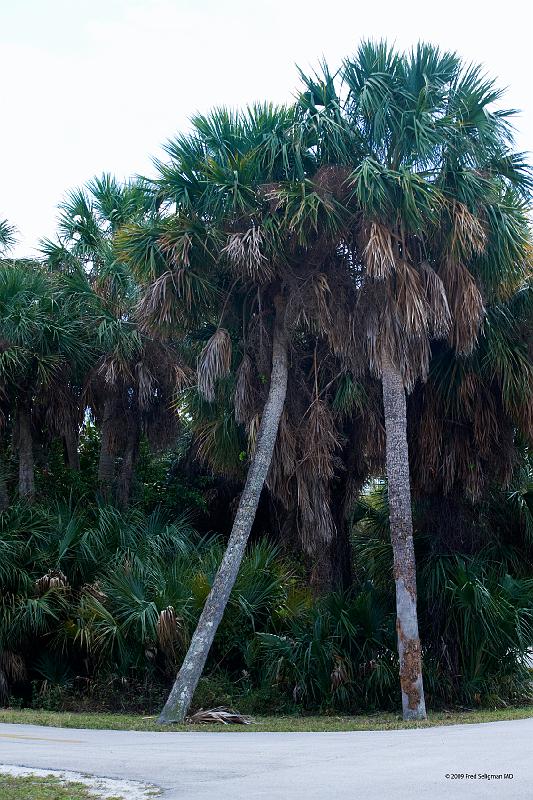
182, 692
106, 462
25, 448
401, 527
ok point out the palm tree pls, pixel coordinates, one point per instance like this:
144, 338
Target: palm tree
427, 163
7, 236
130, 385
44, 338
246, 233
471, 419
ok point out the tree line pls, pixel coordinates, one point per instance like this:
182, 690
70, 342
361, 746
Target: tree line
323, 294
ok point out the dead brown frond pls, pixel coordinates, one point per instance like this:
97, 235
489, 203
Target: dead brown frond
466, 305
340, 674
523, 413
317, 526
53, 579
322, 296
439, 311
12, 670
344, 336
221, 715
378, 252
253, 430
318, 441
184, 377
390, 336
171, 631
13, 665
167, 628
283, 464
332, 179
146, 383
176, 246
270, 192
428, 451
244, 255
309, 305
469, 235
157, 304
245, 399
94, 590
166, 300
115, 369
214, 363
410, 300
321, 440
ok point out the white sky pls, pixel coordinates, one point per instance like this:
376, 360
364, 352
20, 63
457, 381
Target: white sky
97, 85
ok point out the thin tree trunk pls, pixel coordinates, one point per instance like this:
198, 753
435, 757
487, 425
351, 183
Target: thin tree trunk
25, 447
182, 692
401, 527
71, 447
128, 463
4, 494
106, 463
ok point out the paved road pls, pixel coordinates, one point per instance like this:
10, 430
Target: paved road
400, 765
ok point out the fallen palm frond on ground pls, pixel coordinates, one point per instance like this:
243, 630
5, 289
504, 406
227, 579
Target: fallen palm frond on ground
225, 716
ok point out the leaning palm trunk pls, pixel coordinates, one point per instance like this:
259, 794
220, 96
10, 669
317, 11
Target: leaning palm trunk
25, 447
182, 692
401, 527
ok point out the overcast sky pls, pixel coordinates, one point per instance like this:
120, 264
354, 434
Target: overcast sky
98, 85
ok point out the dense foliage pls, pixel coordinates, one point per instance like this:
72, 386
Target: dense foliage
385, 213
98, 607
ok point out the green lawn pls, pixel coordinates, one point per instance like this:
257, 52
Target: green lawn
49, 788
278, 723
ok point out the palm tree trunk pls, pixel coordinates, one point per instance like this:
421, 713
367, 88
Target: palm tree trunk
25, 447
128, 462
4, 494
71, 447
106, 462
182, 692
401, 527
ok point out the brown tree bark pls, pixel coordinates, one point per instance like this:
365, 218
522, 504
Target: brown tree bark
4, 494
106, 462
182, 692
128, 462
71, 447
401, 527
25, 449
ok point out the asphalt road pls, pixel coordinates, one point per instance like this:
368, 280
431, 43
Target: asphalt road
378, 765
